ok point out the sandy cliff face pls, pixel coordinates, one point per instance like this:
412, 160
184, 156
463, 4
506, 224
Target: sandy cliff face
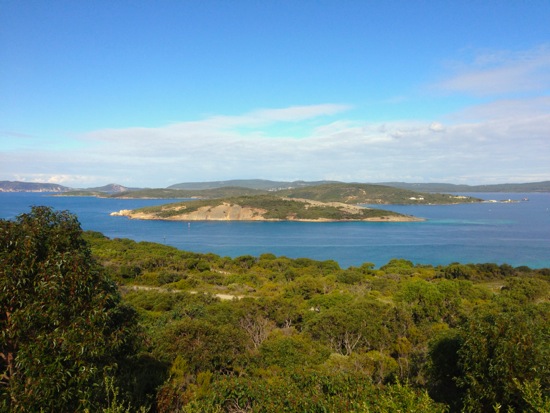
223, 212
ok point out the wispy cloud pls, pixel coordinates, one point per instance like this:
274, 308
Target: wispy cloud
505, 109
500, 73
292, 114
13, 134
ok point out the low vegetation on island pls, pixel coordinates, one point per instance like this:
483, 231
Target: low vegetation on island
92, 324
262, 208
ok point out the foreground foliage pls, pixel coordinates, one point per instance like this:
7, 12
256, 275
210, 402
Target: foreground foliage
262, 334
63, 325
275, 334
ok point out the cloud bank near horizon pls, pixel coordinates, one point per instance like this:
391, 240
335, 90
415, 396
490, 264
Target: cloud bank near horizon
498, 147
504, 137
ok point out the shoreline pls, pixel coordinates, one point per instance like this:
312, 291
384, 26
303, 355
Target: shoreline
257, 218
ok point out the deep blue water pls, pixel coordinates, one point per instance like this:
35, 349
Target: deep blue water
513, 233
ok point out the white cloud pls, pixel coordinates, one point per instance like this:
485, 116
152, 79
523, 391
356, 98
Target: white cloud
490, 143
294, 113
501, 73
437, 127
55, 179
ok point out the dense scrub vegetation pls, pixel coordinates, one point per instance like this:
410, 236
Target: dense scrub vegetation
274, 334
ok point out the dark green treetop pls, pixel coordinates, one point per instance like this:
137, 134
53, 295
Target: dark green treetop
63, 327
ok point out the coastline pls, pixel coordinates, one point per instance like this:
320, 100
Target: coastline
253, 216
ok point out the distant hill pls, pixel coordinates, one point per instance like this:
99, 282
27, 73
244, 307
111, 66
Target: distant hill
327, 192
166, 193
237, 187
443, 187
112, 188
371, 194
267, 185
332, 192
261, 184
102, 191
16, 186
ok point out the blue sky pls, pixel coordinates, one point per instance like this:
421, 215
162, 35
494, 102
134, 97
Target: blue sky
153, 93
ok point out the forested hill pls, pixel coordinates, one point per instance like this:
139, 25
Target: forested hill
349, 193
371, 194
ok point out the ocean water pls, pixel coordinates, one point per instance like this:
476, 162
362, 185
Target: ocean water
512, 233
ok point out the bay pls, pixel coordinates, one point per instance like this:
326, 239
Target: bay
514, 233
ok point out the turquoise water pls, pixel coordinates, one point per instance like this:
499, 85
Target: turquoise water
513, 233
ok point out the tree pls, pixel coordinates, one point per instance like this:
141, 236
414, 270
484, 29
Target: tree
351, 326
63, 327
501, 346
403, 398
203, 345
291, 351
444, 369
257, 328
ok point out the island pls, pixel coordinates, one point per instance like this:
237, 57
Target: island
264, 208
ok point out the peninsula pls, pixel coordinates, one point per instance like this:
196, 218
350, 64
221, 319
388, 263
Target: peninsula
348, 193
264, 208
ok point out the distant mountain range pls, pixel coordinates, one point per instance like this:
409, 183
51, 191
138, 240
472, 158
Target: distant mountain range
112, 189
267, 185
17, 186
9, 186
262, 184
442, 187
